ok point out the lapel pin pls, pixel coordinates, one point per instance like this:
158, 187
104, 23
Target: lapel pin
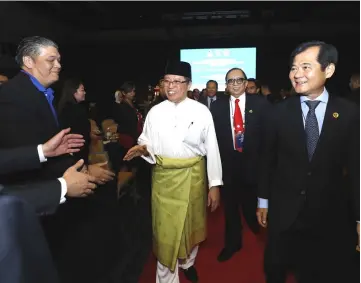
250, 111
335, 115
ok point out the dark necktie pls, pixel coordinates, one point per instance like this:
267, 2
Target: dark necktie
211, 101
311, 128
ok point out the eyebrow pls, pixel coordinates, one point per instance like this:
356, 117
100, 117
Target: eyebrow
302, 64
54, 57
236, 78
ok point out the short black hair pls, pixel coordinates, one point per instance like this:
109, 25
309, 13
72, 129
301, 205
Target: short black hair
127, 87
256, 82
233, 69
327, 55
212, 81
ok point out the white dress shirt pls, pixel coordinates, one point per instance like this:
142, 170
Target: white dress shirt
183, 130
210, 100
232, 106
64, 187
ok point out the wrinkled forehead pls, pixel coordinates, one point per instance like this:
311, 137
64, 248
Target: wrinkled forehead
308, 56
235, 74
211, 85
49, 51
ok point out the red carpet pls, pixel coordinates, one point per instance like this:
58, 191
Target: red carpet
245, 267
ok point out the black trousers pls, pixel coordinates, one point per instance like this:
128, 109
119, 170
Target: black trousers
238, 194
312, 257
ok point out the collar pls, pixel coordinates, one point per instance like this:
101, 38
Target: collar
184, 101
323, 97
242, 97
38, 85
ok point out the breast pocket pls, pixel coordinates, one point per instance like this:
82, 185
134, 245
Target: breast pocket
193, 134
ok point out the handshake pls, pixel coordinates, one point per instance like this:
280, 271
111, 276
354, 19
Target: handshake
82, 183
81, 180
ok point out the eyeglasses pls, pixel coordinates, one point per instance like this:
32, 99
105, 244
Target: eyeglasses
177, 83
236, 80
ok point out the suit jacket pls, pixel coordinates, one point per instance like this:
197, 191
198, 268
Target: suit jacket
204, 99
45, 195
25, 256
29, 122
314, 191
255, 110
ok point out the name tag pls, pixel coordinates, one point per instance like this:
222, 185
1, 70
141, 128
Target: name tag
239, 140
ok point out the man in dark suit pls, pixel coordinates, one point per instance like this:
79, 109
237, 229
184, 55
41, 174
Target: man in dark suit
26, 104
239, 157
25, 255
308, 142
211, 91
45, 196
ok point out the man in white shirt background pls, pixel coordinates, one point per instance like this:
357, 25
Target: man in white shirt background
178, 134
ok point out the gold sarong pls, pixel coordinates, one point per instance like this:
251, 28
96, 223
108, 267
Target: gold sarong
178, 208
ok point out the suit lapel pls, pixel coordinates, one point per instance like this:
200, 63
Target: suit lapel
249, 112
226, 114
297, 129
37, 102
327, 126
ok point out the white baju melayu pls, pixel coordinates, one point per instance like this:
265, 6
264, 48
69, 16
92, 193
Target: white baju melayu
183, 130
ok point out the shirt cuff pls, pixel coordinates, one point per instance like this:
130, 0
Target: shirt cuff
64, 190
151, 157
262, 203
215, 183
42, 157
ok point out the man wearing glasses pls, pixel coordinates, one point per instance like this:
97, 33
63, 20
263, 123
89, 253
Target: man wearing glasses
238, 122
177, 135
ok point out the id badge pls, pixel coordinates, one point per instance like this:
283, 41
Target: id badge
239, 139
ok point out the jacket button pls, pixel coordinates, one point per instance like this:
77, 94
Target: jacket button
303, 192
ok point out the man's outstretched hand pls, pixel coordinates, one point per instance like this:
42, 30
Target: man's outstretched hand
136, 151
63, 143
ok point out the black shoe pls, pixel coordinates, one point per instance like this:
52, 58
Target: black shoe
227, 254
191, 274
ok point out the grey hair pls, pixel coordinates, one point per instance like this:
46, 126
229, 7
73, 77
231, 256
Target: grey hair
30, 46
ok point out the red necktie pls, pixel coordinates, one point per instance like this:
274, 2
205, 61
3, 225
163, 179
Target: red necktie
238, 127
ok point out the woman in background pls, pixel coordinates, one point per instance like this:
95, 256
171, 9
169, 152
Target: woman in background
90, 224
73, 113
128, 117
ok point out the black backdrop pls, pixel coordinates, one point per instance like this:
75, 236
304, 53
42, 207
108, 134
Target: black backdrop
105, 67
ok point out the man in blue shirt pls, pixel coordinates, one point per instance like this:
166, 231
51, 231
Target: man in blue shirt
28, 119
303, 201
